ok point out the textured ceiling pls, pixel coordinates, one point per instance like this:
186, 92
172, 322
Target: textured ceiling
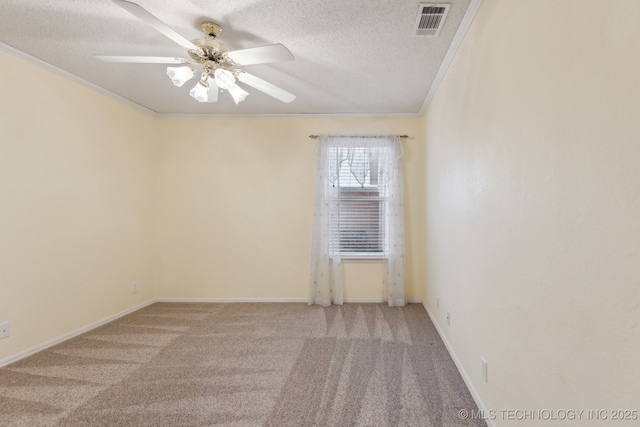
352, 57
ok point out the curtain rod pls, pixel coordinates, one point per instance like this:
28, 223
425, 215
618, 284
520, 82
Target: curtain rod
356, 136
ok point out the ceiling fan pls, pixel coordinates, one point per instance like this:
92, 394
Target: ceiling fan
215, 61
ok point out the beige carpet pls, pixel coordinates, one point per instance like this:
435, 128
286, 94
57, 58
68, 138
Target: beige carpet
173, 364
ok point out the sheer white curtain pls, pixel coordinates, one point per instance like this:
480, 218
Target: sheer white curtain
393, 289
361, 155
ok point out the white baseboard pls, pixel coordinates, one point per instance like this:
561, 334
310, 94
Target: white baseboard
29, 352
70, 335
230, 300
463, 373
380, 300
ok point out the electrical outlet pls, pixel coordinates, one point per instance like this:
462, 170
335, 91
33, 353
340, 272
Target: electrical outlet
437, 302
484, 369
134, 288
448, 318
4, 330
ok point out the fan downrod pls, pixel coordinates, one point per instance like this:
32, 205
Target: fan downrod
211, 29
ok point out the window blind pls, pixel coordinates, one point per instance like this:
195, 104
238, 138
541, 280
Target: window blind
357, 220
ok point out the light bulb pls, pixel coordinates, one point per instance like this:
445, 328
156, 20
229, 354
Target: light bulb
179, 75
200, 92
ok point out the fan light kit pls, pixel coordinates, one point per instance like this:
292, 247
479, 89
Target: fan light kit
216, 63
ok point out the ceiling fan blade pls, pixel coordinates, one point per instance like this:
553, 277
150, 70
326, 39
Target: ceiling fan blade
266, 87
213, 90
260, 55
142, 14
142, 59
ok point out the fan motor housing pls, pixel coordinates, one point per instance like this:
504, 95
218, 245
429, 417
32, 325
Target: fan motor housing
213, 51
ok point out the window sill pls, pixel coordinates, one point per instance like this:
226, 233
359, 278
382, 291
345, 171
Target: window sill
356, 259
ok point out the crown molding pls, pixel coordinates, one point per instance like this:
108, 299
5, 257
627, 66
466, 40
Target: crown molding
62, 73
466, 22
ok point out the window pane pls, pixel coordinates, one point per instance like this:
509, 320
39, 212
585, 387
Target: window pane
359, 223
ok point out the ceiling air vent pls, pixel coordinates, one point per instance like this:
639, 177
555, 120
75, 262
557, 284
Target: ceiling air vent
430, 19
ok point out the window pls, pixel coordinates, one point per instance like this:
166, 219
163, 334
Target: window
358, 213
357, 224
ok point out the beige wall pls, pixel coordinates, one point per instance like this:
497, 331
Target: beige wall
96, 195
236, 207
77, 181
533, 205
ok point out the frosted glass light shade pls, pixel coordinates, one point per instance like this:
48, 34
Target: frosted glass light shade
200, 92
224, 78
238, 93
179, 75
